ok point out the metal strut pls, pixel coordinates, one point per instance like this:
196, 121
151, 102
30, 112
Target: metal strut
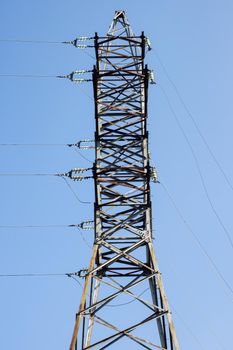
123, 261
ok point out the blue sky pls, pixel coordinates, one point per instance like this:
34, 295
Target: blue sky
194, 42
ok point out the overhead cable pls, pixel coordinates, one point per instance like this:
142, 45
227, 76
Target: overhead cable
75, 42
81, 144
72, 174
73, 76
201, 246
68, 274
74, 193
85, 225
190, 115
226, 232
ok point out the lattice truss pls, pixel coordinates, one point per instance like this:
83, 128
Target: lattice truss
123, 302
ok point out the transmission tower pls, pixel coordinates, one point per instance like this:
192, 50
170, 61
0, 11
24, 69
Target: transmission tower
123, 304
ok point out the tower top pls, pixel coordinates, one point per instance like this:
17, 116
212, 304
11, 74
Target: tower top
119, 13
120, 25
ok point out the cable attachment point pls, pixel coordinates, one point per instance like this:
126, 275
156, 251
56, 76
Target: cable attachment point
72, 174
73, 76
83, 144
81, 273
148, 44
154, 175
76, 42
152, 77
86, 225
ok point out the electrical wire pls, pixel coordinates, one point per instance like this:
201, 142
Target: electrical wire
71, 189
227, 234
30, 41
37, 226
74, 193
32, 174
76, 280
189, 329
27, 76
36, 274
81, 155
83, 238
131, 301
201, 246
33, 144
88, 54
194, 122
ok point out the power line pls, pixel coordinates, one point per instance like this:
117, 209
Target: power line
227, 234
195, 123
70, 145
28, 174
74, 193
131, 301
31, 41
36, 274
27, 76
81, 155
68, 274
39, 226
189, 329
70, 174
201, 246
35, 144
73, 76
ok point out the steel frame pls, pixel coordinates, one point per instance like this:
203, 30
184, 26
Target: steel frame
123, 258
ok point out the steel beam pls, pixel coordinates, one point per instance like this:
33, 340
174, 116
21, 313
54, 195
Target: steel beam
123, 262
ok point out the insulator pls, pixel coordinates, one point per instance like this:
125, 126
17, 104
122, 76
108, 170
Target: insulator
80, 170
153, 174
152, 77
72, 172
82, 71
86, 225
148, 43
80, 146
80, 81
81, 273
80, 178
72, 76
80, 46
83, 38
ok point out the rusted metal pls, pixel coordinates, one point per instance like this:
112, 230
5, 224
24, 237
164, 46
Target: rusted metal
123, 261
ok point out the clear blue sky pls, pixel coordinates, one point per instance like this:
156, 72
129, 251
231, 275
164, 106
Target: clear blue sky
194, 42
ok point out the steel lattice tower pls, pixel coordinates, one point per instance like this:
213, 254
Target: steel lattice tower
123, 305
